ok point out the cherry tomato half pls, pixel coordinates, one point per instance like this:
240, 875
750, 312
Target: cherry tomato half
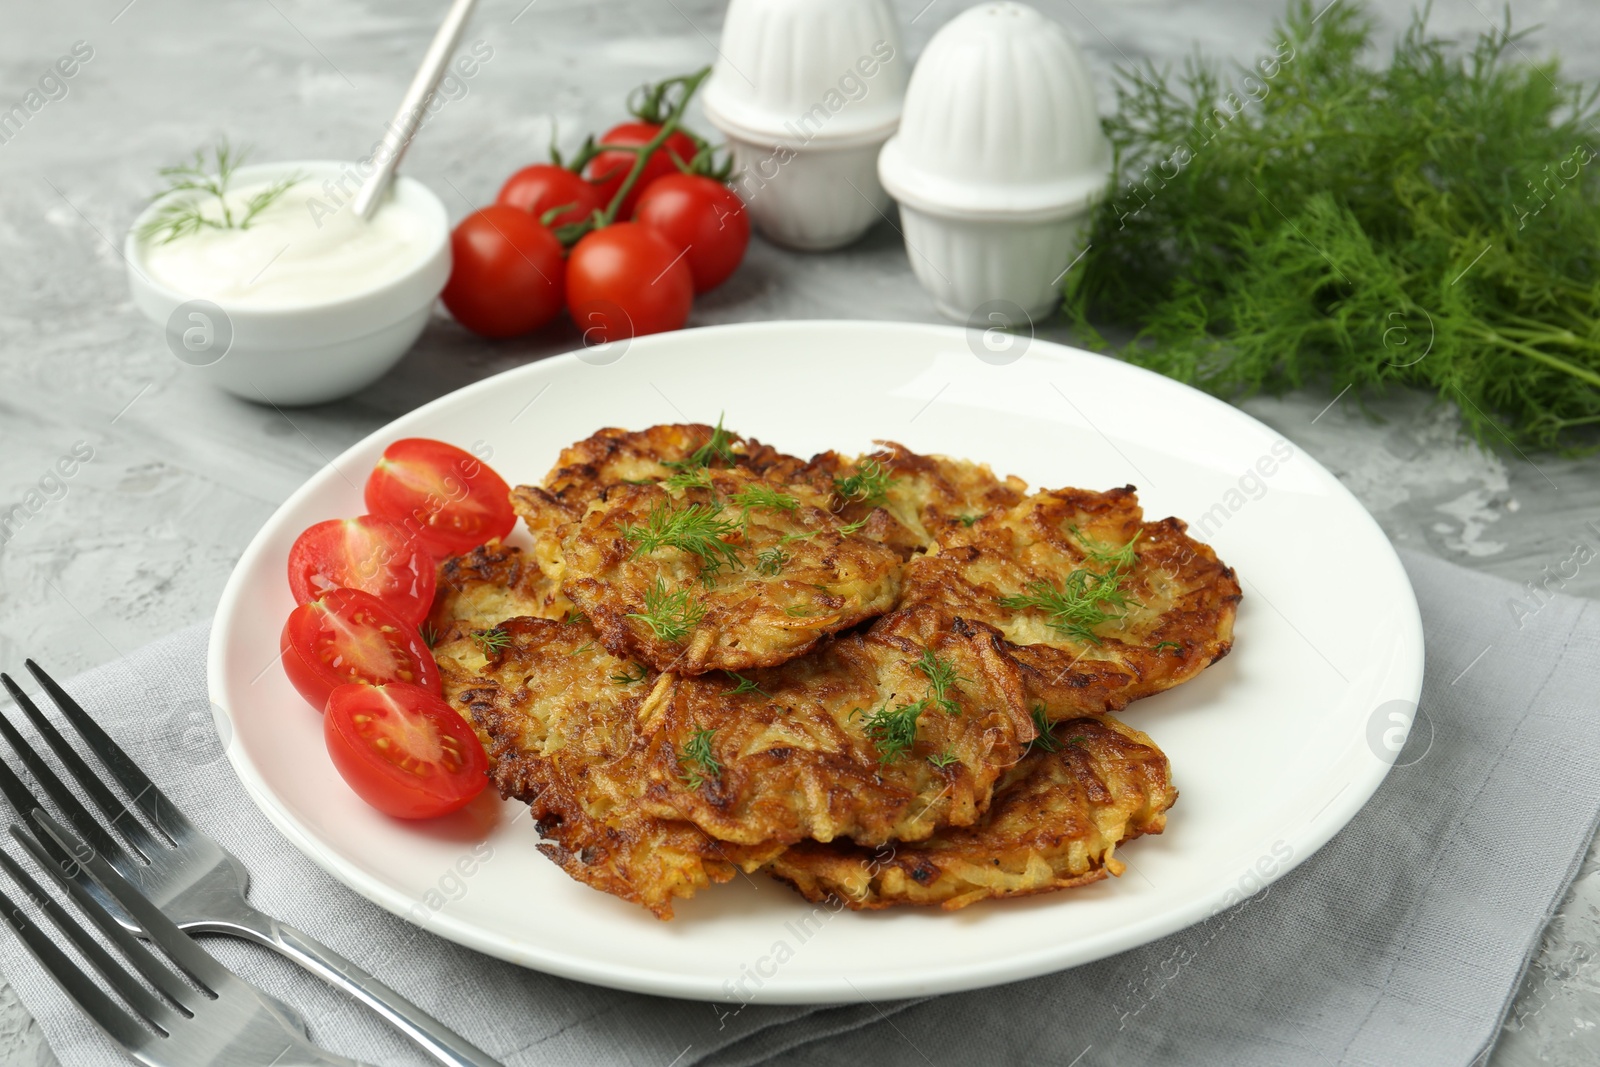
702, 216
444, 496
350, 636
610, 169
544, 187
505, 273
403, 750
368, 553
627, 281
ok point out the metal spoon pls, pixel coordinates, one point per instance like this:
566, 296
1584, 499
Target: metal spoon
413, 106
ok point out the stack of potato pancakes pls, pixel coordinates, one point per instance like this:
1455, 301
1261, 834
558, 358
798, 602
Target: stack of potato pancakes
883, 679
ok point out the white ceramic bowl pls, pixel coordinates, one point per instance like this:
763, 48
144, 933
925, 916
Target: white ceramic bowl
998, 160
806, 92
312, 353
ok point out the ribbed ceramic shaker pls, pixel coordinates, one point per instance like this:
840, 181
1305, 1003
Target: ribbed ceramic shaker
998, 161
806, 93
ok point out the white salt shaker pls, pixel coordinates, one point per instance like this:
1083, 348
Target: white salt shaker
806, 92
998, 161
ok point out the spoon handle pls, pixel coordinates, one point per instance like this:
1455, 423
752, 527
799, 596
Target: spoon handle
413, 106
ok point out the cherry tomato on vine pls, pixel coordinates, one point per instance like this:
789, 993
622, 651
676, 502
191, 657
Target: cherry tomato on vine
350, 636
403, 750
702, 216
368, 553
610, 169
627, 281
505, 274
444, 496
545, 186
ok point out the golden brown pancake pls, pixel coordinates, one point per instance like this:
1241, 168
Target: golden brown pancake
1056, 820
1098, 606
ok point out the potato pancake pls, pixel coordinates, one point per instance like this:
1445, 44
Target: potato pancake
562, 721
488, 585
922, 497
618, 457
1056, 821
1099, 607
891, 733
721, 570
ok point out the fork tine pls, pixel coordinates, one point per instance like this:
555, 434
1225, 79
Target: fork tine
53, 788
157, 927
151, 800
116, 813
158, 973
143, 1001
105, 1012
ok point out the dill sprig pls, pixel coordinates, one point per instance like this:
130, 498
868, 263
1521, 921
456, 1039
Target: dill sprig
697, 529
719, 447
670, 615
943, 759
1078, 605
693, 478
491, 641
1167, 644
429, 633
746, 685
628, 676
183, 216
942, 678
1043, 739
575, 615
770, 561
763, 496
1314, 220
868, 485
894, 731
1122, 558
697, 761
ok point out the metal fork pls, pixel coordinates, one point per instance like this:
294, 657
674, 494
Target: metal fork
224, 1020
199, 885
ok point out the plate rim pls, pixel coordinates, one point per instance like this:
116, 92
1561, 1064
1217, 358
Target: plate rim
1403, 675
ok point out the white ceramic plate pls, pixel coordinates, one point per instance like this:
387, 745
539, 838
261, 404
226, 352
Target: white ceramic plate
1274, 749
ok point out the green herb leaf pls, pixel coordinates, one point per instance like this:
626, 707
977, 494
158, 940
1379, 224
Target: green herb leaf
1078, 605
697, 761
868, 485
491, 641
894, 732
746, 685
1043, 740
770, 561
697, 529
669, 615
943, 759
628, 677
942, 678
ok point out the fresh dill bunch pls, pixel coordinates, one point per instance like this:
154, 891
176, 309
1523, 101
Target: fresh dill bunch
1043, 739
1075, 607
868, 485
720, 447
770, 561
942, 678
697, 761
697, 529
1322, 220
670, 615
746, 685
491, 641
628, 677
943, 759
1121, 559
894, 731
183, 216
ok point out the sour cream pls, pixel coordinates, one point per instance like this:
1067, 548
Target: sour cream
298, 252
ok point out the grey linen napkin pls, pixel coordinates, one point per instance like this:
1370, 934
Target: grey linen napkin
1401, 941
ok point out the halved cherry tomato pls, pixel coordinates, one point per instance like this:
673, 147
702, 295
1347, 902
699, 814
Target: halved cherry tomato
350, 636
544, 187
627, 281
403, 750
368, 553
610, 169
447, 497
505, 273
702, 216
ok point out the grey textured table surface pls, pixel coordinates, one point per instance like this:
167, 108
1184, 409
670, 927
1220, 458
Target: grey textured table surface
147, 532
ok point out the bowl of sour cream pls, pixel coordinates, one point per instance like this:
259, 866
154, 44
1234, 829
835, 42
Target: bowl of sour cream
306, 302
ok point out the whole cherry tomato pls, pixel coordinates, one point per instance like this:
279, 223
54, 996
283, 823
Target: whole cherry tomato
627, 281
506, 273
404, 750
702, 216
444, 496
610, 169
544, 187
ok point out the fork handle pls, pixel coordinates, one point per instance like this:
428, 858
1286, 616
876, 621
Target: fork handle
441, 1042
